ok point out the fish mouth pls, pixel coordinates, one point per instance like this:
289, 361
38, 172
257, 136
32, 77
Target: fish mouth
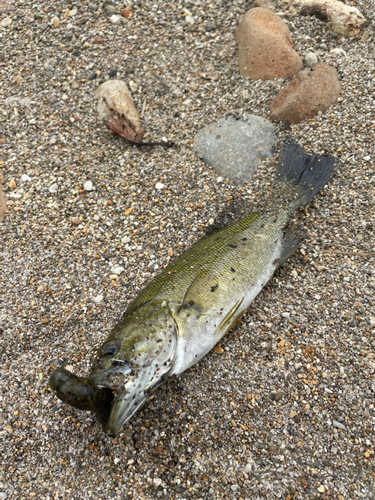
129, 392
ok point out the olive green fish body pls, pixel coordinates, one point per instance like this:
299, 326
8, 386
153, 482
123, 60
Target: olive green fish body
194, 301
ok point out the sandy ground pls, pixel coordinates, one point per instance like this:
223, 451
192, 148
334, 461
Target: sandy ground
287, 410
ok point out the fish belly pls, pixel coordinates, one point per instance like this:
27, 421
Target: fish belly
205, 317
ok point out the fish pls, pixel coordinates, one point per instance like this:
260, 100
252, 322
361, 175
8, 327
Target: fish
185, 311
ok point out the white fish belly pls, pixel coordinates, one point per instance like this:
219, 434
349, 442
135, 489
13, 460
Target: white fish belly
200, 335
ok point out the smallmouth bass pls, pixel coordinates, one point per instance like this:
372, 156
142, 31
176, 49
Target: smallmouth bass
180, 316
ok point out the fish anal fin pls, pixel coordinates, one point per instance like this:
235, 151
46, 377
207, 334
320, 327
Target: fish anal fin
290, 242
230, 319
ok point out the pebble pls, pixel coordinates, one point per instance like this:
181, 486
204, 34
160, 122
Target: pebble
25, 178
133, 86
189, 19
55, 22
98, 298
113, 72
339, 425
310, 59
88, 186
159, 186
115, 19
114, 103
118, 270
43, 26
53, 188
337, 51
93, 7
73, 12
248, 467
6, 22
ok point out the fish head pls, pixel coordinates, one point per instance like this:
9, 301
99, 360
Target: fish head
135, 359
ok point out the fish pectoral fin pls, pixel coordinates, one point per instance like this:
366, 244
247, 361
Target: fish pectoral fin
230, 319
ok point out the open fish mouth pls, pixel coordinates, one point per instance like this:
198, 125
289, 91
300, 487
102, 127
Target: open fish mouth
128, 394
112, 396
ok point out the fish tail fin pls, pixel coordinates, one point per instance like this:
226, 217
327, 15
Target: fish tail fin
308, 174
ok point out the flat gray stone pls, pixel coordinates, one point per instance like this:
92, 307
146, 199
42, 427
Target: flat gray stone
235, 147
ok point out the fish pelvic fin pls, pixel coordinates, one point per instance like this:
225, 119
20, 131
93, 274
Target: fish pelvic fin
307, 174
230, 319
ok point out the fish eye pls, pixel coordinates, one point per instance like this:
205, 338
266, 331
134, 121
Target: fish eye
110, 349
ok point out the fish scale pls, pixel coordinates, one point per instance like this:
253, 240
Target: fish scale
193, 302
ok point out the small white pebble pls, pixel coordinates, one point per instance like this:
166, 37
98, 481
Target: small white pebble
88, 186
211, 222
25, 178
367, 158
248, 468
338, 52
126, 239
157, 481
98, 298
189, 19
73, 12
6, 22
133, 86
115, 19
118, 270
64, 97
53, 188
219, 179
159, 186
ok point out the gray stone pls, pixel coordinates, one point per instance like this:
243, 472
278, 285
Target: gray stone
339, 425
310, 59
235, 147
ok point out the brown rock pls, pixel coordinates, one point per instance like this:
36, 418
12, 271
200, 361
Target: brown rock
265, 46
309, 91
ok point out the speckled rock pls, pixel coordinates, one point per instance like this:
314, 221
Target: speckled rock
265, 46
234, 147
309, 92
345, 20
